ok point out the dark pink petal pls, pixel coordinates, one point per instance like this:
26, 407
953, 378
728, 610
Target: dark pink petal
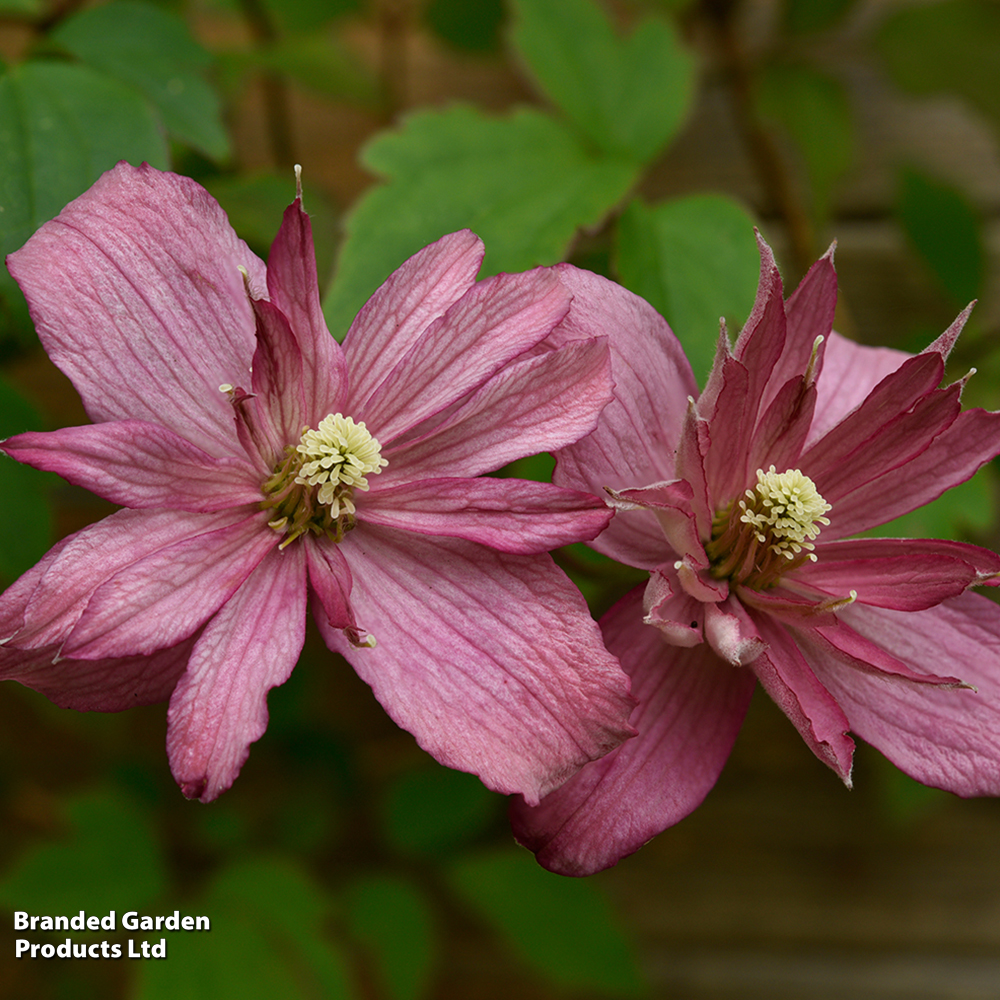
76, 567
163, 597
885, 444
136, 464
396, 316
949, 738
538, 403
330, 580
789, 680
692, 450
902, 573
637, 434
730, 430
492, 324
293, 287
670, 504
951, 458
783, 429
219, 706
97, 685
808, 315
14, 600
511, 515
280, 407
490, 659
137, 296
691, 706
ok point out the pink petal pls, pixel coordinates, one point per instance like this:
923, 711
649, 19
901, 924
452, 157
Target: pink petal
331, 581
83, 562
16, 597
951, 458
538, 403
634, 441
691, 706
670, 504
163, 597
902, 573
293, 287
808, 315
490, 659
136, 294
136, 464
220, 705
510, 515
494, 322
949, 738
789, 680
396, 316
97, 685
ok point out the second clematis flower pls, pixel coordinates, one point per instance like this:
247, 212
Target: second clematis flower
261, 466
740, 503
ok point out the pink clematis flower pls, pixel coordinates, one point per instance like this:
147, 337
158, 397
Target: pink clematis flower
740, 505
262, 466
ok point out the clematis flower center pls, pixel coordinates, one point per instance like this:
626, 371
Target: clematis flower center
312, 488
768, 532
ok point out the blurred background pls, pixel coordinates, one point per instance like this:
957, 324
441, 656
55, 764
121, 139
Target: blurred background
639, 138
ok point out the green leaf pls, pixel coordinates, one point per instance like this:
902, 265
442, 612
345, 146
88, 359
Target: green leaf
473, 25
20, 8
946, 48
694, 260
267, 940
945, 231
23, 540
152, 50
563, 928
523, 183
814, 110
61, 127
110, 860
392, 919
307, 15
433, 810
627, 95
815, 15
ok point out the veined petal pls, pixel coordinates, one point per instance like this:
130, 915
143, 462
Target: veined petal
138, 464
219, 706
906, 574
331, 581
80, 564
494, 322
691, 706
412, 297
637, 434
490, 659
157, 308
163, 597
808, 315
789, 680
110, 685
948, 738
293, 287
539, 403
510, 515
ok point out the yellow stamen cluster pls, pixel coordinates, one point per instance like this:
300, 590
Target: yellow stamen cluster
313, 487
768, 532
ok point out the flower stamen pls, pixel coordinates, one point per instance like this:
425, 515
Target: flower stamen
312, 488
768, 532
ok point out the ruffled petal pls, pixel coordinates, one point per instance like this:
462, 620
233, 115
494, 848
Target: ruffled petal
492, 324
137, 296
396, 316
691, 706
490, 659
219, 706
510, 515
162, 598
535, 404
945, 737
138, 464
